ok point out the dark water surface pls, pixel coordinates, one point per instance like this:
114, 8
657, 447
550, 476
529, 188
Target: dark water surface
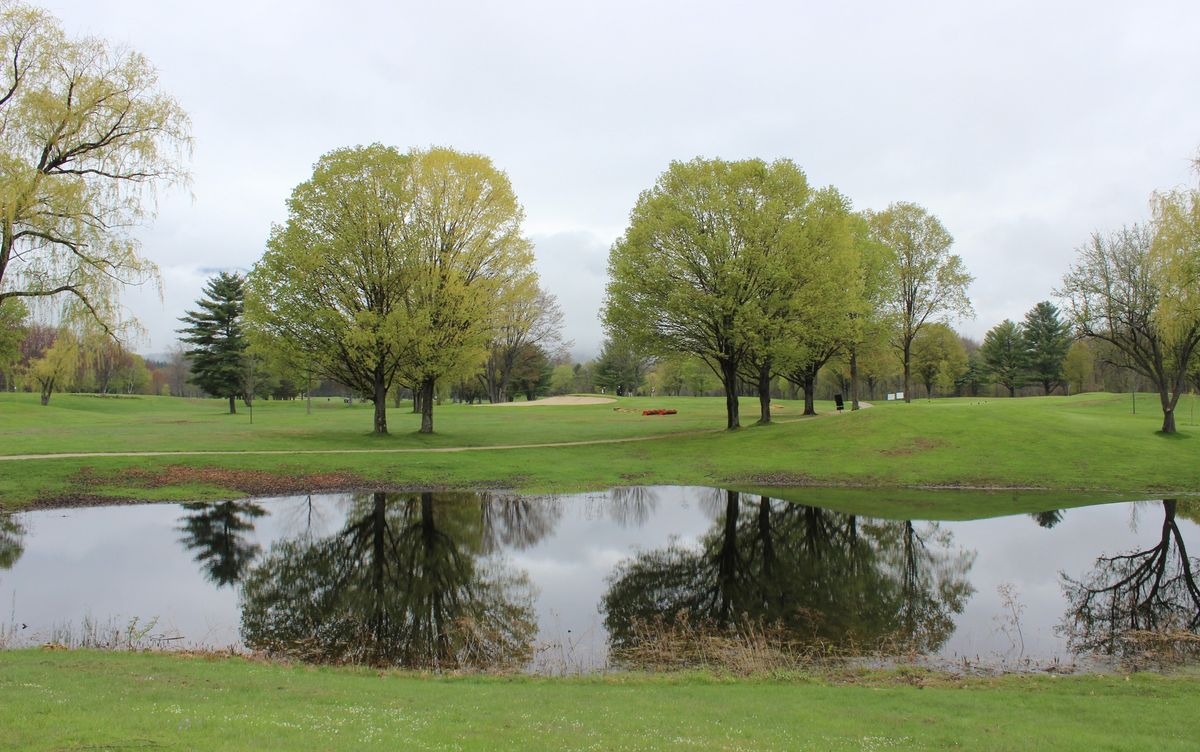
452, 580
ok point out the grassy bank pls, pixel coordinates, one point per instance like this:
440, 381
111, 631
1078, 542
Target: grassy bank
1087, 443
70, 700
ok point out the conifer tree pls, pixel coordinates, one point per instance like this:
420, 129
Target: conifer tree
217, 339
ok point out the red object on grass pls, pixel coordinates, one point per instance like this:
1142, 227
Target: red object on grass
659, 412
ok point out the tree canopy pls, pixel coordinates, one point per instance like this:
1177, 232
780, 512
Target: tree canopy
1113, 294
84, 132
928, 283
720, 260
218, 341
1047, 339
1006, 356
330, 289
391, 267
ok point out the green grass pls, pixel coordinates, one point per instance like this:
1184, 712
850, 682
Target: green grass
88, 700
1088, 443
83, 423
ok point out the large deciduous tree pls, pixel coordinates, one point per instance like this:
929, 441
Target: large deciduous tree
332, 285
1113, 293
84, 132
928, 283
713, 264
466, 259
1047, 339
218, 342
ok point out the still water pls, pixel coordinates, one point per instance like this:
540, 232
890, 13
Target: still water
556, 583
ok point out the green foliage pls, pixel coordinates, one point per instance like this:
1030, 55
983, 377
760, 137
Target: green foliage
218, 341
1113, 293
54, 369
391, 266
86, 131
13, 314
926, 283
938, 357
620, 369
465, 260
1079, 365
1006, 355
532, 372
1047, 339
330, 290
731, 262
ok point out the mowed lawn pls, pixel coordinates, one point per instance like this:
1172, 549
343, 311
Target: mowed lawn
90, 423
1090, 443
88, 700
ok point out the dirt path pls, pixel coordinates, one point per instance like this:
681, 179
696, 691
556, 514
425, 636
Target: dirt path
397, 450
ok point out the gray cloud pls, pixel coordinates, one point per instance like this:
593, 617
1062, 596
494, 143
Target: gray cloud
1024, 126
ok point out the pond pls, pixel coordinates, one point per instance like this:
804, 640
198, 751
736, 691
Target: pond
582, 582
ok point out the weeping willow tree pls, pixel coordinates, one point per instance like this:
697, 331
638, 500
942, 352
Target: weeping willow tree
85, 133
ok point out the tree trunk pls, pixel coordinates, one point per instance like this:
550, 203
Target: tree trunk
853, 378
427, 406
1168, 408
764, 392
729, 380
232, 405
810, 386
907, 363
380, 402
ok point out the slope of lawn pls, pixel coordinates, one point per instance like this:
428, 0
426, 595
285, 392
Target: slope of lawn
88, 700
1087, 443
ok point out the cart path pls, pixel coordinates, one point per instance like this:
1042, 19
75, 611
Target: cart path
395, 450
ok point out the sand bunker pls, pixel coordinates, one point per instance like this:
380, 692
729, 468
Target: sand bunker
557, 401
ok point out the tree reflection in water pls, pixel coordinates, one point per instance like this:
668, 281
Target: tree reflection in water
12, 543
219, 534
1151, 590
406, 582
817, 577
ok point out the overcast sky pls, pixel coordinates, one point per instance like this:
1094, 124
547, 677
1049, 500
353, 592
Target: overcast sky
1023, 126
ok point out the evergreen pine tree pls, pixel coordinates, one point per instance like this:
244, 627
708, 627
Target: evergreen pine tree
1004, 352
218, 342
1047, 339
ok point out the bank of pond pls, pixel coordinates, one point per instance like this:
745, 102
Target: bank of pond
638, 577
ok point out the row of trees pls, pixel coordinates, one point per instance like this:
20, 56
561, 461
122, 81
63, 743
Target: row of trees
746, 267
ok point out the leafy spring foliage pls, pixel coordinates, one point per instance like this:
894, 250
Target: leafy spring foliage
1113, 294
84, 131
927, 282
729, 262
390, 266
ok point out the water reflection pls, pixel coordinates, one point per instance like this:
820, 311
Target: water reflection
814, 575
1152, 589
11, 541
406, 581
219, 534
1049, 518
